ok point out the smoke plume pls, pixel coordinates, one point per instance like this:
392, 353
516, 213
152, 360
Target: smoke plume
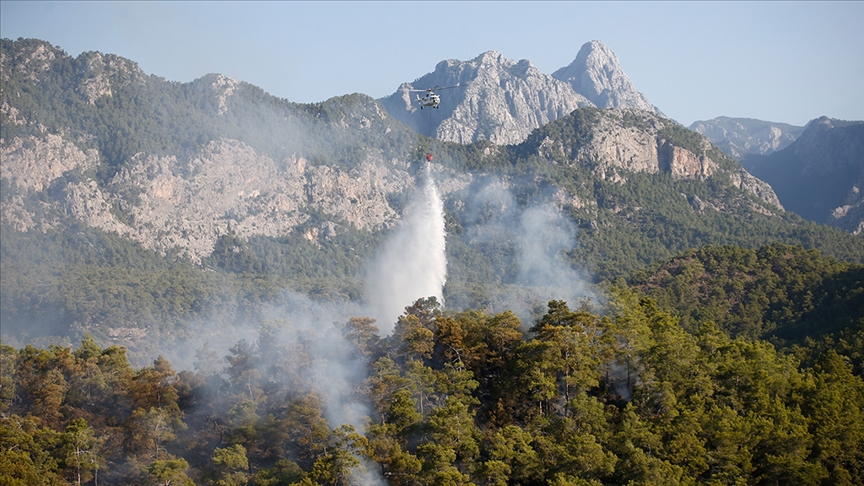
528, 243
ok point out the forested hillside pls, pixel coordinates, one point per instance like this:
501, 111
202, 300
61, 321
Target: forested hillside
785, 294
448, 398
107, 102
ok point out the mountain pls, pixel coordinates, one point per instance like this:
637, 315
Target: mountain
135, 208
597, 75
501, 101
821, 174
740, 137
504, 100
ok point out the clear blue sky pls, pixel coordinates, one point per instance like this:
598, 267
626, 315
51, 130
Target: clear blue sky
778, 61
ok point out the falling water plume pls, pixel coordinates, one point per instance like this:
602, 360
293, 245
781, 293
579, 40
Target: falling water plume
412, 263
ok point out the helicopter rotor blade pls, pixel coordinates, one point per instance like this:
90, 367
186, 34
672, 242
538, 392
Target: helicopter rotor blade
451, 87
436, 88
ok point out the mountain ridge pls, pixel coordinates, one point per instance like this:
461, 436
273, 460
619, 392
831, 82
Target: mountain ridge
739, 137
503, 100
820, 175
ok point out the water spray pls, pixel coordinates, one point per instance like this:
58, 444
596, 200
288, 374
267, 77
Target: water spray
413, 262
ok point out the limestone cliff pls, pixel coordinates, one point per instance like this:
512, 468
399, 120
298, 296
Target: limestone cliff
106, 73
31, 162
166, 202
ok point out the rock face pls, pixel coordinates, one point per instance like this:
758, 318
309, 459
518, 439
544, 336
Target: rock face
597, 75
502, 100
614, 145
188, 204
739, 137
684, 164
223, 87
759, 188
106, 73
821, 174
850, 215
31, 163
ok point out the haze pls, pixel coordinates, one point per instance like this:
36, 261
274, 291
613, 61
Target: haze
777, 61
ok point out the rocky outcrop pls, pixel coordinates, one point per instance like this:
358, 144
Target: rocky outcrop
596, 74
633, 140
614, 145
850, 215
759, 188
188, 204
739, 137
167, 202
30, 59
684, 164
33, 163
86, 202
104, 73
223, 87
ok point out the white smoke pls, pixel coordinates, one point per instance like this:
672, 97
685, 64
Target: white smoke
298, 348
545, 234
529, 241
412, 263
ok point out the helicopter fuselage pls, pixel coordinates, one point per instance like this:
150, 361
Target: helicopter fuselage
430, 99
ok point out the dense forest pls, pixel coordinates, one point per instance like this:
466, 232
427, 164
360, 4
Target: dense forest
449, 398
777, 292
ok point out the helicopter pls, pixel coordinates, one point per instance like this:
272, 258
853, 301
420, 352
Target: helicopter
431, 98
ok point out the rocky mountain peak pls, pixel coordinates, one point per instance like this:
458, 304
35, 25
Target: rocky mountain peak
500, 100
106, 72
493, 58
30, 58
819, 142
597, 75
